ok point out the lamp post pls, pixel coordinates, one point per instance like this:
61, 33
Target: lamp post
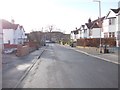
99, 21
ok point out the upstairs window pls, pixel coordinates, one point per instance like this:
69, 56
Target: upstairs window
106, 35
110, 34
111, 21
113, 34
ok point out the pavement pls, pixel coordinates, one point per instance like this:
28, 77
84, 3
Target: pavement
94, 51
14, 67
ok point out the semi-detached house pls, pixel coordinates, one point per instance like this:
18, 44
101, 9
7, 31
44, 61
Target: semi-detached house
12, 33
91, 29
105, 27
94, 28
110, 25
118, 34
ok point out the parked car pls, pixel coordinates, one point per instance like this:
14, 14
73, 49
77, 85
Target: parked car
73, 44
8, 51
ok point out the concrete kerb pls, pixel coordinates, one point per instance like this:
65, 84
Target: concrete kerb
92, 55
96, 56
29, 68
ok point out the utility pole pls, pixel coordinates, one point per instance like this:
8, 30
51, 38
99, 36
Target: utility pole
99, 23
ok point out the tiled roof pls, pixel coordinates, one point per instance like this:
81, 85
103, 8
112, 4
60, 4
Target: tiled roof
89, 25
75, 31
8, 25
21, 27
95, 24
116, 10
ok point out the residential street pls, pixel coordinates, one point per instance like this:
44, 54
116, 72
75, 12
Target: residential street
61, 67
59, 44
14, 67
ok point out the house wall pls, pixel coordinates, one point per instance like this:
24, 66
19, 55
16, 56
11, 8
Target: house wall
78, 35
119, 17
84, 34
8, 34
1, 35
1, 48
95, 33
110, 28
19, 36
88, 33
105, 25
23, 34
74, 37
118, 33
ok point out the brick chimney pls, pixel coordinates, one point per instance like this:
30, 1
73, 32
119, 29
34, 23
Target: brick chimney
89, 20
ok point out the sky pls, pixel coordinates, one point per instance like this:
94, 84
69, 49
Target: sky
64, 15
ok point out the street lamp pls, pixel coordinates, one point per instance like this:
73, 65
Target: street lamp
99, 21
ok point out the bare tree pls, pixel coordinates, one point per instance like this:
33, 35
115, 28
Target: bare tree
50, 28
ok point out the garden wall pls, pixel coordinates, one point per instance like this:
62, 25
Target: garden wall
95, 42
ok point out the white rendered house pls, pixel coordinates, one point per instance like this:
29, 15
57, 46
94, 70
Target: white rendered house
118, 33
12, 33
110, 25
94, 28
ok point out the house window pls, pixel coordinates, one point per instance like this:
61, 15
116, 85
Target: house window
8, 41
110, 34
112, 21
105, 35
109, 21
113, 34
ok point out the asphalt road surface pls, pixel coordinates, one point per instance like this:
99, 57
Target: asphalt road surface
61, 67
14, 67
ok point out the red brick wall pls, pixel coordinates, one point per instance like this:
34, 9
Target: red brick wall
95, 42
22, 50
10, 46
32, 44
